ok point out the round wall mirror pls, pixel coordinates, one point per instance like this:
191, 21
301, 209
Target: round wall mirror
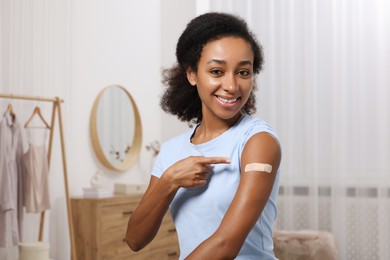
116, 130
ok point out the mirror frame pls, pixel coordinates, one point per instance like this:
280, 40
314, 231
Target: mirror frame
135, 150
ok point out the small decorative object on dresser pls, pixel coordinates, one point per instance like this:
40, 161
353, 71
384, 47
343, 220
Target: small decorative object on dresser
97, 192
34, 251
129, 188
100, 228
96, 180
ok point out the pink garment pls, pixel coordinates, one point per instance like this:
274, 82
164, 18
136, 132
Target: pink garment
11, 168
36, 179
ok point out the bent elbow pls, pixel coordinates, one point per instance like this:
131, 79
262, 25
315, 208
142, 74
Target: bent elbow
134, 248
133, 245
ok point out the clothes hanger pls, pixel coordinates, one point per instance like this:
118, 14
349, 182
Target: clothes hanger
10, 110
37, 111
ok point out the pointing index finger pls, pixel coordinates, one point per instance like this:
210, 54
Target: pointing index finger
216, 160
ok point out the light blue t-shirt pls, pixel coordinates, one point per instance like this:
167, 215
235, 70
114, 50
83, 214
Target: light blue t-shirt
198, 212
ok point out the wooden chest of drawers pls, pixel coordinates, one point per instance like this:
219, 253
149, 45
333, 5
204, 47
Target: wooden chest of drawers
100, 227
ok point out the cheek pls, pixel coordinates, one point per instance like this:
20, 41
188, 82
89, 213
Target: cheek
208, 84
212, 82
248, 88
247, 85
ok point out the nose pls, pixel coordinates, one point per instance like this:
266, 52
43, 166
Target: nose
230, 83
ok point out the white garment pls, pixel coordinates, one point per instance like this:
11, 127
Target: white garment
36, 179
11, 181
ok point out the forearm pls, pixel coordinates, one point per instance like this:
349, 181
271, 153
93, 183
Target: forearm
145, 222
190, 172
215, 247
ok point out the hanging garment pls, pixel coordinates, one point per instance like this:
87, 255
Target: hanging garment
11, 181
36, 179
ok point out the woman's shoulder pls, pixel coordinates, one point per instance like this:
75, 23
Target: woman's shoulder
255, 124
250, 126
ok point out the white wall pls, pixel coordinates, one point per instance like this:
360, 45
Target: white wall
72, 49
112, 42
174, 22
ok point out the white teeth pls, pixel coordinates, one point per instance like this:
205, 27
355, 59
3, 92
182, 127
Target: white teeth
227, 100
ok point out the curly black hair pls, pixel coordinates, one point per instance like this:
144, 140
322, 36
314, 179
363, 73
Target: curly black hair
180, 98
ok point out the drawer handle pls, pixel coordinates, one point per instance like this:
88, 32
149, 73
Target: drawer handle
172, 254
172, 230
128, 212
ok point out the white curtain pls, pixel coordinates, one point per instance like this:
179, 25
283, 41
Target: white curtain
35, 46
325, 88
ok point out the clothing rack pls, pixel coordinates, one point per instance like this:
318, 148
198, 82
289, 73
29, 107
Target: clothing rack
56, 108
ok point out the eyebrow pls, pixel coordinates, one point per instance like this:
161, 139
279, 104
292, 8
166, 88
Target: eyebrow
241, 63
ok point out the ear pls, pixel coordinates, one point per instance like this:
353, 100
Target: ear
191, 76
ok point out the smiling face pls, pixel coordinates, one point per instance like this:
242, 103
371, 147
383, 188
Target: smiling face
224, 77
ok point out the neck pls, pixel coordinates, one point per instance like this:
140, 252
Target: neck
211, 128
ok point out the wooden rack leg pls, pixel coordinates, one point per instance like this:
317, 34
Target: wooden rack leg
50, 146
68, 205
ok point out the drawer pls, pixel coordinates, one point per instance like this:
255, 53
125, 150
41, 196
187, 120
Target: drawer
113, 244
100, 226
112, 229
114, 217
116, 212
115, 249
112, 240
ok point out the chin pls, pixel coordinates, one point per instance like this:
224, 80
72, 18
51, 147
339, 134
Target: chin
230, 116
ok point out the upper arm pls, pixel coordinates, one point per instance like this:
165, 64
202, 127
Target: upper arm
254, 189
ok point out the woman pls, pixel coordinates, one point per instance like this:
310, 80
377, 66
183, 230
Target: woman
220, 179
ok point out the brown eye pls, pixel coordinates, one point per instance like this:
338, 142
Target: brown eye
216, 72
244, 73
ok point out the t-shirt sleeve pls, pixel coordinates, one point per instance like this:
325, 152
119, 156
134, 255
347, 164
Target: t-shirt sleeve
255, 128
158, 164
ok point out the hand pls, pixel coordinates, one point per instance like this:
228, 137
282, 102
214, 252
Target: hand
192, 171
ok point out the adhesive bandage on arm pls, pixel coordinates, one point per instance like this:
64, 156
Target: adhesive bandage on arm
260, 167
